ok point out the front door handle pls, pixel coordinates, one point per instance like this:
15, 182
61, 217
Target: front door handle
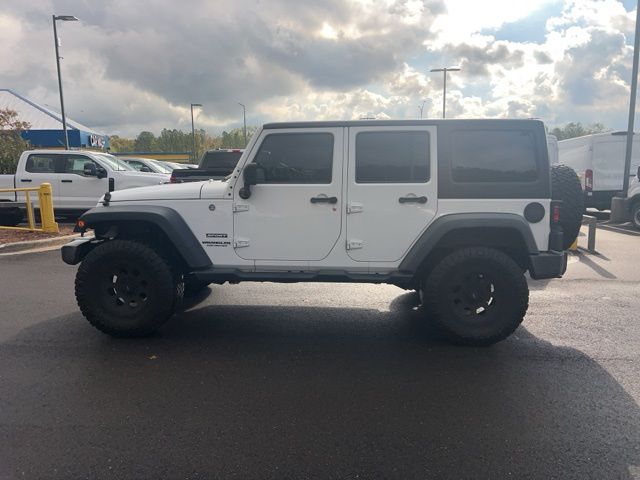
412, 199
66, 181
324, 200
25, 179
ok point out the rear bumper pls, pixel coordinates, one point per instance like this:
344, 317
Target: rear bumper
547, 265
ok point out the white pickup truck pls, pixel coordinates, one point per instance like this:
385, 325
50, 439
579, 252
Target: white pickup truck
78, 179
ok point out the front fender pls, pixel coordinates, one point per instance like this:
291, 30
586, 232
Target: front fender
166, 219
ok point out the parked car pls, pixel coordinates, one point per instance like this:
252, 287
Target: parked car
78, 179
599, 161
214, 164
147, 165
458, 210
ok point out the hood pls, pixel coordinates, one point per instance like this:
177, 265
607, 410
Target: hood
214, 189
166, 191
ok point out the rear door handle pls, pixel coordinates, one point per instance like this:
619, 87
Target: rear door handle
25, 180
66, 181
412, 199
324, 200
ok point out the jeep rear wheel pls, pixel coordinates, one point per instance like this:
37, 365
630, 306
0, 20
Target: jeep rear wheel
476, 296
126, 289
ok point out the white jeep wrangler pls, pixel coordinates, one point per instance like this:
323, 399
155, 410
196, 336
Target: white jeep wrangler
459, 210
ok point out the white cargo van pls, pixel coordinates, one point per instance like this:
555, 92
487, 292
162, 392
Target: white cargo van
599, 162
552, 148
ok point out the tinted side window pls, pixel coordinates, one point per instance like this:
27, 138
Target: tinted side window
75, 164
296, 157
41, 163
494, 156
392, 157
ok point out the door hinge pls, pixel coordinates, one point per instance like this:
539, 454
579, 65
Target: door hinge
354, 244
240, 243
354, 207
241, 207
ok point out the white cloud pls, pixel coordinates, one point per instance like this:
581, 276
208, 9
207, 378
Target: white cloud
130, 66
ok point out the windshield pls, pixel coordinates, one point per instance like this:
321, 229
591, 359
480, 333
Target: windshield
114, 163
161, 166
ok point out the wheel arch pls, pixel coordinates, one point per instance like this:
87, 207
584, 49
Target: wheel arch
161, 226
506, 232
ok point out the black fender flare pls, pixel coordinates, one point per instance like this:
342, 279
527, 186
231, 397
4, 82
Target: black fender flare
166, 219
456, 221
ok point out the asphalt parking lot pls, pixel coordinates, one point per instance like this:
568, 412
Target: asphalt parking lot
323, 381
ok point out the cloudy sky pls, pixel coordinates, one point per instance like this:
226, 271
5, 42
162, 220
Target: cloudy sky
134, 65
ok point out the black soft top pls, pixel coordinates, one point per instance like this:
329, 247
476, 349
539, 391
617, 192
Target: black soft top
483, 122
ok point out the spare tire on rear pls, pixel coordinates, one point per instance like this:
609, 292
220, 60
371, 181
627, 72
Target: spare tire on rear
566, 186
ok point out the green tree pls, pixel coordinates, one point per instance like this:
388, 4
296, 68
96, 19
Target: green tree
11, 142
120, 144
235, 138
576, 129
145, 142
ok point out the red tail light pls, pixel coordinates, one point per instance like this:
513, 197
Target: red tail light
555, 214
172, 179
588, 180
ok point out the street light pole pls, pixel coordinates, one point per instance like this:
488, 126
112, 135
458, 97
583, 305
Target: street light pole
444, 92
64, 18
244, 122
421, 108
632, 105
619, 211
193, 130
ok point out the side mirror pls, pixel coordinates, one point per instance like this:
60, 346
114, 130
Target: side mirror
145, 169
102, 173
252, 174
89, 170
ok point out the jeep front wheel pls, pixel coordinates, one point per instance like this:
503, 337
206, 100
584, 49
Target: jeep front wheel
476, 296
126, 289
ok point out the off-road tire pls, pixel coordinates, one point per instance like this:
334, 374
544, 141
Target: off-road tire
127, 289
565, 186
498, 307
635, 215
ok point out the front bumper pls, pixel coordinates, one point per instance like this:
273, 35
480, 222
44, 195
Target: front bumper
547, 265
73, 252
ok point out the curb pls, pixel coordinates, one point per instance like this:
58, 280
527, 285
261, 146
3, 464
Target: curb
31, 244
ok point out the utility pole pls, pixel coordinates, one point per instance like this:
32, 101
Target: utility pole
444, 92
244, 122
56, 42
619, 213
193, 130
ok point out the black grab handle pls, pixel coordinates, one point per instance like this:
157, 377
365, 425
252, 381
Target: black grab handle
324, 199
412, 199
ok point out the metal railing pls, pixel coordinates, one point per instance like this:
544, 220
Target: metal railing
45, 201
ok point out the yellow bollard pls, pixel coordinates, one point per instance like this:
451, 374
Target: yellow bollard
45, 194
574, 245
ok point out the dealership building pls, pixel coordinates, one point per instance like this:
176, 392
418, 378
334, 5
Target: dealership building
46, 125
